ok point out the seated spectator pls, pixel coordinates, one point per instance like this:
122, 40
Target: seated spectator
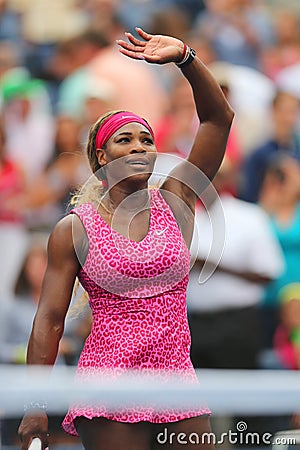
284, 139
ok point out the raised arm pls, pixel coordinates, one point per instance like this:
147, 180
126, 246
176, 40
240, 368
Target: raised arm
48, 325
214, 112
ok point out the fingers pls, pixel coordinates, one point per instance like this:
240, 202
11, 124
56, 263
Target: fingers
134, 40
131, 54
143, 34
26, 443
135, 48
35, 443
130, 47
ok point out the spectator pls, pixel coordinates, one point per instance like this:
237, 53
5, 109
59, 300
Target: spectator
28, 122
9, 24
98, 97
13, 234
104, 16
44, 24
237, 30
70, 63
287, 335
48, 195
250, 93
280, 199
287, 79
10, 67
284, 139
234, 148
23, 306
177, 129
285, 51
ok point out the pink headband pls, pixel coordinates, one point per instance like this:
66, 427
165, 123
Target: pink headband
116, 121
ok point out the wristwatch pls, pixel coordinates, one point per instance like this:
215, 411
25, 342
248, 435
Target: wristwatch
188, 60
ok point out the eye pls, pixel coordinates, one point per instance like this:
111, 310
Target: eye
123, 139
148, 141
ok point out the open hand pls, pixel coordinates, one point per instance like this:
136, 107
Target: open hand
157, 49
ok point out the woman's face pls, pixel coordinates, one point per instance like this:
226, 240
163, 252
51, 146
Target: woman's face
129, 153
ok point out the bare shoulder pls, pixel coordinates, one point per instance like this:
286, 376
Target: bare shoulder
67, 238
182, 208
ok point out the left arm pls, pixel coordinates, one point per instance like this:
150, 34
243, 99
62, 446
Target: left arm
214, 112
215, 117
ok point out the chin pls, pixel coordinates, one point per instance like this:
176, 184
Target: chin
137, 179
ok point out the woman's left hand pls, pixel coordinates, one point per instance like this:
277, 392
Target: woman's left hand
157, 49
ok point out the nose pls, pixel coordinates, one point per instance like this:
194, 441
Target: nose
138, 147
138, 150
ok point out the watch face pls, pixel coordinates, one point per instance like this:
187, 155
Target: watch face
189, 59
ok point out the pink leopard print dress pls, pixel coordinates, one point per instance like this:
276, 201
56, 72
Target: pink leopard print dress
137, 294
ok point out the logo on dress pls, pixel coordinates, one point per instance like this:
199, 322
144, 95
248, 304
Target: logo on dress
160, 232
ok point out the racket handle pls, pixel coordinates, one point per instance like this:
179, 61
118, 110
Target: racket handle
36, 444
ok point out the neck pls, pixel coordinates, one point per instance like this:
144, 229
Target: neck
134, 195
285, 213
128, 201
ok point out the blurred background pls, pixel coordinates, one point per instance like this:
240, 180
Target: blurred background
60, 70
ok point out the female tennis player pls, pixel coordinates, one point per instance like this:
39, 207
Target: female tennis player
128, 245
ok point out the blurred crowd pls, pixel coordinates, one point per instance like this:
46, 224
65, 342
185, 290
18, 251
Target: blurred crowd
60, 70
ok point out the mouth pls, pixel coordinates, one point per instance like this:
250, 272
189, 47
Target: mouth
139, 162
